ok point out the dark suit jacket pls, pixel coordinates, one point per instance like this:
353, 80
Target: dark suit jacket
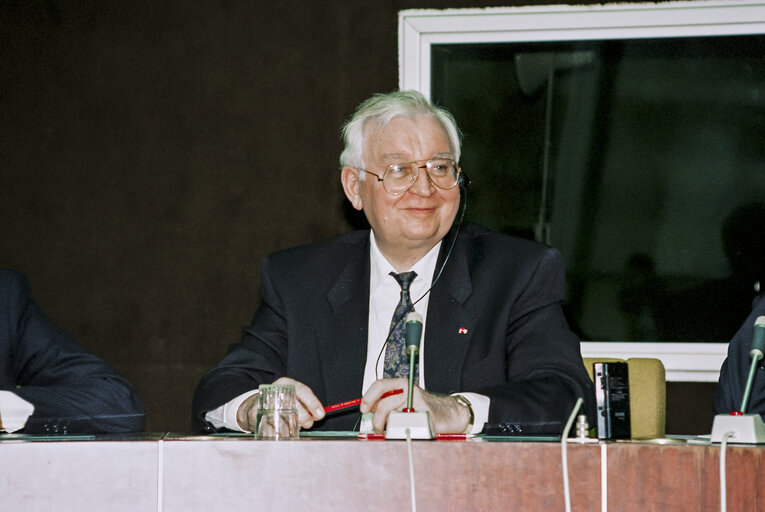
507, 293
735, 370
73, 391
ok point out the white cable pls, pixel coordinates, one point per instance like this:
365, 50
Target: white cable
411, 470
564, 455
723, 497
603, 477
160, 471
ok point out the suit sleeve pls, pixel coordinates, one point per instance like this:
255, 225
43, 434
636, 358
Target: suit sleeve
260, 358
735, 370
544, 369
72, 390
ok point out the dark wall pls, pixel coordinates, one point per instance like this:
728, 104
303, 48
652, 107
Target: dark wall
151, 153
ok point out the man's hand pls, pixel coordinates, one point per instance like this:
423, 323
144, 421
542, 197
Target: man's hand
446, 413
309, 407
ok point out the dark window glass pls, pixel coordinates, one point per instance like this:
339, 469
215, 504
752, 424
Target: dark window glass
642, 161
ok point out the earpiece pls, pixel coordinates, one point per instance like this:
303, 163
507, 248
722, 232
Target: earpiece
463, 181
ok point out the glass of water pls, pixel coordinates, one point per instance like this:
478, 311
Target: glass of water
277, 417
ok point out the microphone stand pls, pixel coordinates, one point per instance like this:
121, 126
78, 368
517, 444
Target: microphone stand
412, 351
750, 380
410, 424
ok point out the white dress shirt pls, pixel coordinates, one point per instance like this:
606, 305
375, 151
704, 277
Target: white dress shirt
384, 295
14, 411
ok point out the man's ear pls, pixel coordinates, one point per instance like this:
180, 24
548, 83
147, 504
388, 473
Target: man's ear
351, 186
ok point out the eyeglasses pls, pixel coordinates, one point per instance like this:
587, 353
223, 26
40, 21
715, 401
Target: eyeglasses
398, 178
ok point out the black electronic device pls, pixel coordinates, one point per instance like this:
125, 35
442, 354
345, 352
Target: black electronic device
522, 429
612, 397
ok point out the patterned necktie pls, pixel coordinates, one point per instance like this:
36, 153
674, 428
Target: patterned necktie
396, 358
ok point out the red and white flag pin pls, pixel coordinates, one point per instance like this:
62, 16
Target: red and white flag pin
463, 330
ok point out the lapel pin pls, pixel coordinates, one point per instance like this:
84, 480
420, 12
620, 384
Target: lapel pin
463, 330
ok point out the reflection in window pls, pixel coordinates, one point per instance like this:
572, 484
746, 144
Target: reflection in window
641, 160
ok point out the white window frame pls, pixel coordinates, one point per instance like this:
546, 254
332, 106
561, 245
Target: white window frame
418, 30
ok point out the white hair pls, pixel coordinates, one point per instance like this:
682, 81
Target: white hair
382, 108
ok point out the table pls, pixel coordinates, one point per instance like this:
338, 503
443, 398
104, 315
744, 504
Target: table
167, 472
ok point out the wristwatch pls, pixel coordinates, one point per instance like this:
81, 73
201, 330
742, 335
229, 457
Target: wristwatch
466, 403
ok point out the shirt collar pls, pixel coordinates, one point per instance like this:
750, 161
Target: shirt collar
381, 268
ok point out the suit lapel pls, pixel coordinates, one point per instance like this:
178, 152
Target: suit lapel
344, 340
450, 323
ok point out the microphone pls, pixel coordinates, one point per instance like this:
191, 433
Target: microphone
758, 339
408, 424
413, 328
756, 353
413, 334
739, 426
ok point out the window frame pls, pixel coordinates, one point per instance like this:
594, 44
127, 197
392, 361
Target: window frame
419, 29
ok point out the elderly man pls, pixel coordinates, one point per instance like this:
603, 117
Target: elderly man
496, 346
49, 384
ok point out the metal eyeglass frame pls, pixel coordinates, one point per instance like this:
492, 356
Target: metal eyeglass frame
419, 165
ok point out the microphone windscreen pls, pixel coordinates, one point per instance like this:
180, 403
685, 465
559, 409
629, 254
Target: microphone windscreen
758, 338
413, 329
414, 316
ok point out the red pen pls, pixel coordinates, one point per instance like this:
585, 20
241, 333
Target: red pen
351, 403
